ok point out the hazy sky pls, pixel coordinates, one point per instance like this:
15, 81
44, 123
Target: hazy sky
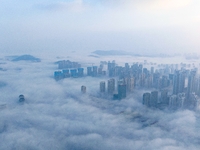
141, 26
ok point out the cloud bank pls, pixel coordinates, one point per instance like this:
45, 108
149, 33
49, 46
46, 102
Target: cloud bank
55, 115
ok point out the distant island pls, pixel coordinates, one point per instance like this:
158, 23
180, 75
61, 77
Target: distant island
111, 52
121, 52
26, 58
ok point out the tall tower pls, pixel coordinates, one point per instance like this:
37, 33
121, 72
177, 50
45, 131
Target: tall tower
94, 71
146, 99
130, 84
80, 72
111, 86
178, 82
89, 71
121, 91
191, 83
154, 99
83, 89
102, 86
164, 97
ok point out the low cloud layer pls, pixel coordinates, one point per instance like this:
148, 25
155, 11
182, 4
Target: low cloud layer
55, 115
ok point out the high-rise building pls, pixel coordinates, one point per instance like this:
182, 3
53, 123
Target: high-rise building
80, 72
83, 89
178, 82
191, 83
102, 87
121, 91
164, 82
89, 71
130, 84
156, 80
94, 73
111, 68
152, 70
58, 75
180, 100
111, 86
21, 98
164, 97
154, 99
66, 73
146, 99
73, 73
173, 101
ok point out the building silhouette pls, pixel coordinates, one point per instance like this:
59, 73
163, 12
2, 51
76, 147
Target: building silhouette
83, 89
111, 86
102, 87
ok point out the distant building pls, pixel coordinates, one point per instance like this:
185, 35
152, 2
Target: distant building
89, 71
58, 75
191, 83
102, 87
80, 72
121, 91
111, 86
73, 73
83, 89
154, 99
111, 68
63, 64
66, 73
146, 99
164, 97
178, 82
180, 100
130, 84
94, 73
173, 101
21, 98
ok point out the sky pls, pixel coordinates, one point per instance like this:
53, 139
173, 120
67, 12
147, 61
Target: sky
55, 115
139, 26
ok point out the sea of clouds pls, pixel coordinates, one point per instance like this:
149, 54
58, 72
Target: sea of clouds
56, 115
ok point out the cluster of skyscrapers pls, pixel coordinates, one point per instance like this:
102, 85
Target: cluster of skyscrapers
172, 85
67, 64
69, 69
124, 86
181, 90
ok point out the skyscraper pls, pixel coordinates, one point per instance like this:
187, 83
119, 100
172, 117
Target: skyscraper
58, 75
173, 101
83, 89
146, 99
178, 82
191, 83
73, 73
154, 99
80, 72
94, 73
130, 84
66, 73
21, 98
121, 91
111, 86
102, 86
89, 71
